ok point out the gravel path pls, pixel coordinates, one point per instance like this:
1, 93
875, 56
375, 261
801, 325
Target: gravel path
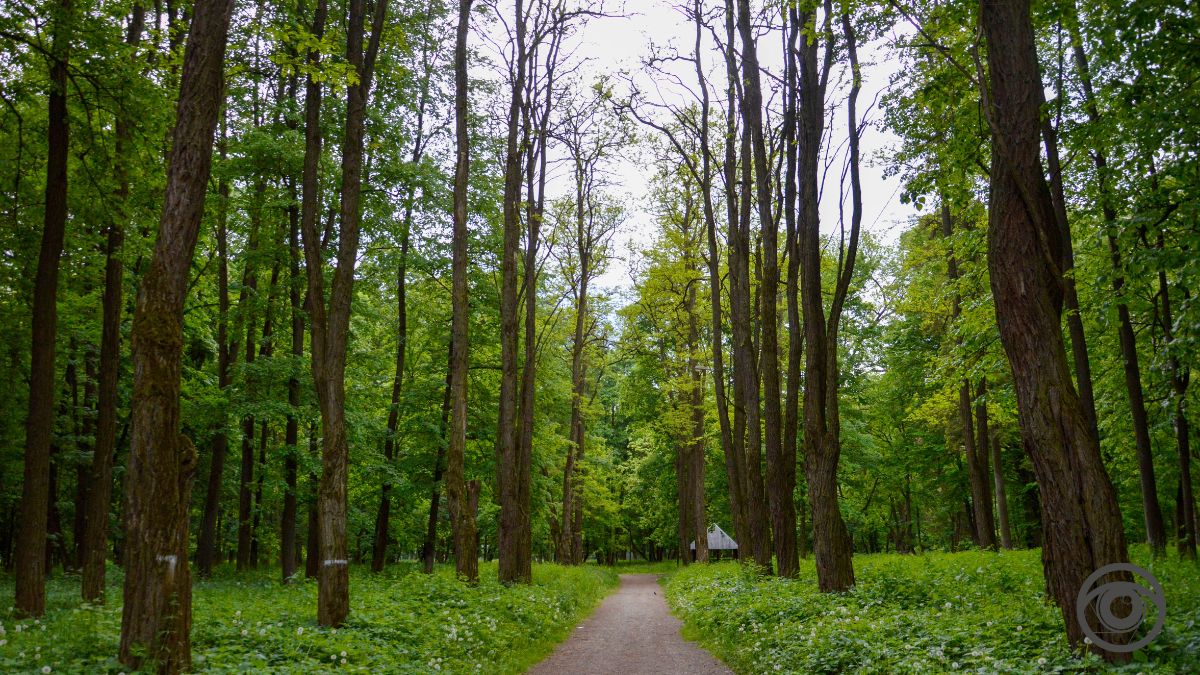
632, 632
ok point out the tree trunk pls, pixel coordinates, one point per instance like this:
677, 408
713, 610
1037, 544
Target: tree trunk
822, 444
458, 493
1156, 535
744, 348
695, 447
206, 545
1083, 529
1179, 376
382, 518
99, 497
791, 415
39, 425
515, 564
435, 493
156, 616
331, 323
312, 544
1004, 522
779, 468
733, 464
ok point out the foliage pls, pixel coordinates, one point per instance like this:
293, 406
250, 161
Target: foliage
400, 622
937, 612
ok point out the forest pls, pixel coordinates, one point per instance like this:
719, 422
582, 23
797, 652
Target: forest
401, 335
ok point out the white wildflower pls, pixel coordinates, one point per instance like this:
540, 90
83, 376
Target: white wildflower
300, 630
46, 670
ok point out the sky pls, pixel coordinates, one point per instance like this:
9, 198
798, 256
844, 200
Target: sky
620, 44
616, 46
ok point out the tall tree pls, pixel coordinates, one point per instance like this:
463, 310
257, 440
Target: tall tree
99, 494
1083, 529
780, 471
39, 425
822, 421
331, 322
157, 614
1156, 535
511, 471
462, 512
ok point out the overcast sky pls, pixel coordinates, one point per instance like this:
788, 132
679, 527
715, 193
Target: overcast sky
621, 43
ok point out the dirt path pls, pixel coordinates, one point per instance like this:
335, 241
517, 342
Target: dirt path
631, 632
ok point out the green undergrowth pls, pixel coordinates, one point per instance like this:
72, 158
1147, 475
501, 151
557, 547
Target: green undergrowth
401, 621
643, 567
933, 613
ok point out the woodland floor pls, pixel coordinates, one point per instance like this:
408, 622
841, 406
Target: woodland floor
633, 631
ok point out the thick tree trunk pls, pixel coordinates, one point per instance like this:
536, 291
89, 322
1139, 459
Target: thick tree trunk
1083, 529
515, 563
822, 443
156, 616
331, 323
459, 495
39, 425
780, 471
746, 353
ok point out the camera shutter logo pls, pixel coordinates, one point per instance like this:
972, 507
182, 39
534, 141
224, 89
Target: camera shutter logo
1106, 597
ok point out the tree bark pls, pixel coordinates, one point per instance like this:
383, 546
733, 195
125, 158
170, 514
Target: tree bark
780, 471
822, 443
30, 564
156, 616
515, 563
1083, 529
458, 492
331, 323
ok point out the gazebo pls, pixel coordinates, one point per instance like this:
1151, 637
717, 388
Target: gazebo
718, 540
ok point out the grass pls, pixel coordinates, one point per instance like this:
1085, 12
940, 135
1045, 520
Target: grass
400, 622
643, 567
933, 613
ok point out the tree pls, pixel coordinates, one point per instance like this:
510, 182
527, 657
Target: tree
157, 614
822, 424
1083, 527
780, 463
331, 323
462, 512
39, 425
